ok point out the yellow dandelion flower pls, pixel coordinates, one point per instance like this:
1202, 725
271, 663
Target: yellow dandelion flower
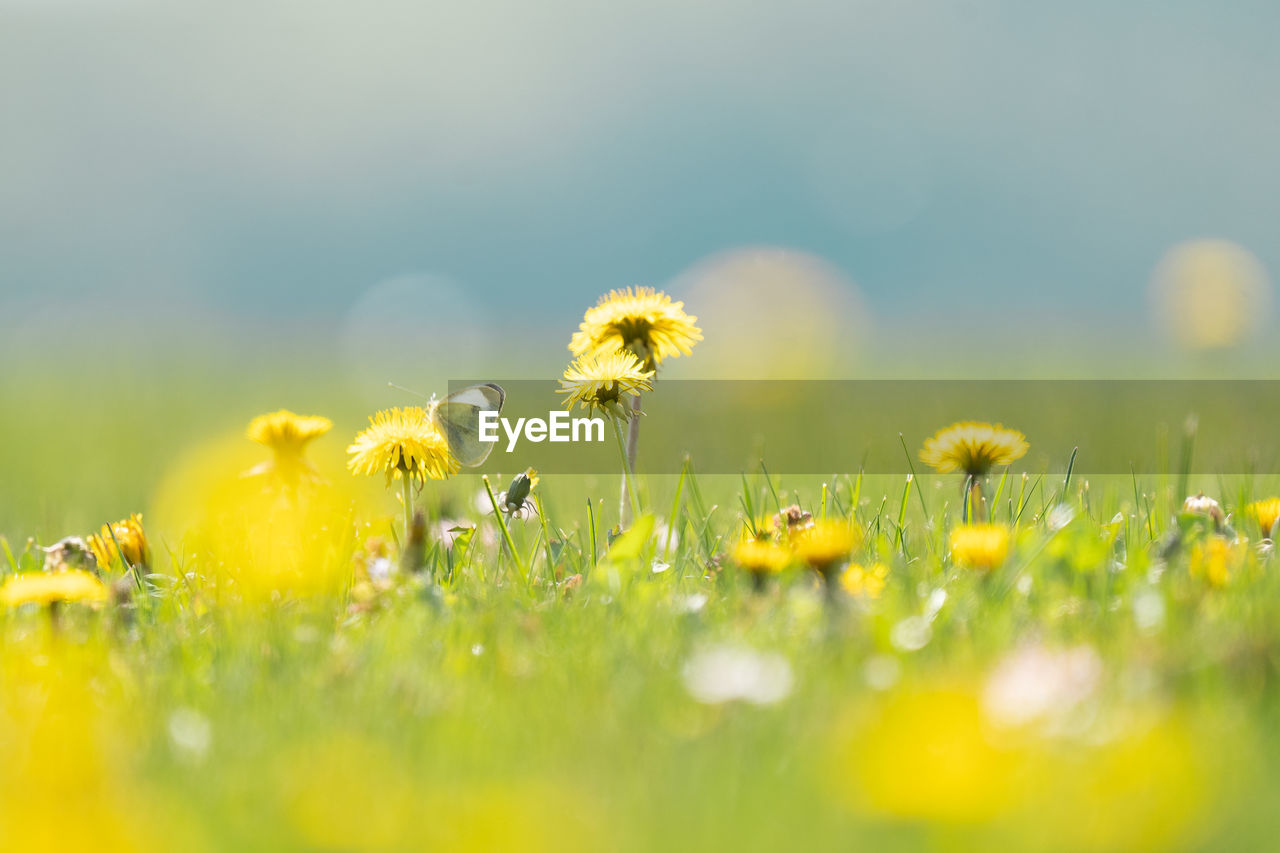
602, 380
825, 546
130, 538
40, 588
765, 527
973, 448
761, 557
865, 581
980, 546
1266, 512
287, 435
1217, 560
402, 442
642, 320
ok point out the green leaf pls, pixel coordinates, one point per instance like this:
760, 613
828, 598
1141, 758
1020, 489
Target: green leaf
631, 543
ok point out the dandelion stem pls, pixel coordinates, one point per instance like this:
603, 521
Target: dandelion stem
406, 484
629, 505
633, 433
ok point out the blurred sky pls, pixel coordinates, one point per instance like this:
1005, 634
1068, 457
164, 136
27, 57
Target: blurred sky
261, 164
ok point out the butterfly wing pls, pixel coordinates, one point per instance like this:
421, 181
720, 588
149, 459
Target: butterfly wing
457, 416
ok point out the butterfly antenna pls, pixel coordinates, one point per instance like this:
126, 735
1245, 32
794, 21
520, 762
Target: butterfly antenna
410, 391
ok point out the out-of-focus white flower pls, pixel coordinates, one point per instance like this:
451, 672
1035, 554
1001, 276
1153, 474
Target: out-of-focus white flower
694, 602
911, 634
1202, 504
933, 605
665, 538
1036, 684
1059, 517
1148, 611
191, 733
380, 569
881, 671
727, 673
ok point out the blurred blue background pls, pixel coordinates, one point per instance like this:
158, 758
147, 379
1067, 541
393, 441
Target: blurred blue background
208, 211
188, 174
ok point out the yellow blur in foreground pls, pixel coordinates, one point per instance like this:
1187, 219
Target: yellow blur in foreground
67, 780
254, 534
935, 756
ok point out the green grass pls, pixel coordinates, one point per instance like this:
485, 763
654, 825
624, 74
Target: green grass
537, 688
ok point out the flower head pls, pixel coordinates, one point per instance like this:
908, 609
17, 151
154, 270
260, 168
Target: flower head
865, 581
792, 520
515, 501
125, 538
1202, 504
402, 442
42, 588
602, 380
980, 546
825, 546
761, 557
973, 448
1217, 559
642, 320
70, 552
287, 435
1267, 512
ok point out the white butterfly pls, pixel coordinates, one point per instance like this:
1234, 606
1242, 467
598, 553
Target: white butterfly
457, 417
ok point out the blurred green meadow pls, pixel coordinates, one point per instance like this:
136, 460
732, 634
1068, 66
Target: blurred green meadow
1101, 687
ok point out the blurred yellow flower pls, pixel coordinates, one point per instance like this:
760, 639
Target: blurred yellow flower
642, 320
973, 448
402, 442
1216, 559
602, 380
287, 435
129, 536
761, 557
980, 546
72, 585
926, 756
825, 546
865, 581
1266, 512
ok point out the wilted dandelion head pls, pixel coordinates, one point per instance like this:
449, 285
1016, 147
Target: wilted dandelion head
70, 552
642, 320
980, 546
402, 442
126, 538
42, 588
1266, 512
515, 501
1204, 505
603, 380
973, 448
865, 581
825, 546
761, 557
792, 519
